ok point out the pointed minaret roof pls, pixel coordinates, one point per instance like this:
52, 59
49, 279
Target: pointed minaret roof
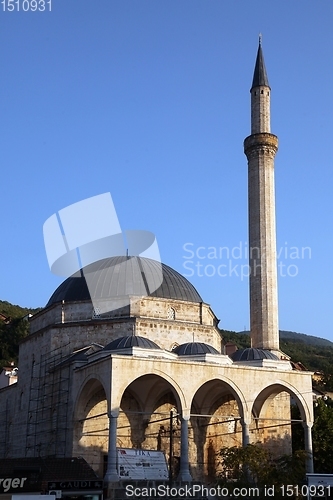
260, 74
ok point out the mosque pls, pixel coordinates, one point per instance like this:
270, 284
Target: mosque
152, 375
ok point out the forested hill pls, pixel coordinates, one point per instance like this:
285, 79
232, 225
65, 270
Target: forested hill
13, 327
11, 311
300, 337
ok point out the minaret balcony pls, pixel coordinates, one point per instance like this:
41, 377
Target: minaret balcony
261, 140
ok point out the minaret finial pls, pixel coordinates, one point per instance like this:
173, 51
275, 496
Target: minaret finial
260, 39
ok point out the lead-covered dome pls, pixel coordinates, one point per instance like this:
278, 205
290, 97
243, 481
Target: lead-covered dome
252, 354
131, 341
108, 279
192, 348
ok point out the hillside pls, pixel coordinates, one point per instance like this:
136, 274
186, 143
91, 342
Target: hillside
300, 337
13, 311
13, 327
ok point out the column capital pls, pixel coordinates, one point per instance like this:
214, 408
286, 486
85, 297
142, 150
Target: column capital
186, 414
113, 413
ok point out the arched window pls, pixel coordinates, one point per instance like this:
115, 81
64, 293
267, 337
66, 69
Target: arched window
171, 313
96, 312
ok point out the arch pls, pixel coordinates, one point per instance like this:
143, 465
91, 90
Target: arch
157, 374
233, 389
268, 393
272, 422
223, 407
145, 411
87, 386
91, 423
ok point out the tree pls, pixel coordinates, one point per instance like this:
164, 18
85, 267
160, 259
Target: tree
322, 435
254, 465
10, 335
12, 330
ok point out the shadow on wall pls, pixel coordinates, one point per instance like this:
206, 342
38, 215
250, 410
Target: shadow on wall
270, 451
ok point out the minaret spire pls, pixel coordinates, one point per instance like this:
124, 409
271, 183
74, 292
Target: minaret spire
260, 74
260, 148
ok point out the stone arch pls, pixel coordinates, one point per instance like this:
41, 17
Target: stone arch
269, 392
271, 419
223, 407
87, 387
158, 375
129, 426
91, 423
153, 397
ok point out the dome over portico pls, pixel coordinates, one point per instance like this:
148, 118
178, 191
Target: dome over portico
131, 341
193, 348
252, 354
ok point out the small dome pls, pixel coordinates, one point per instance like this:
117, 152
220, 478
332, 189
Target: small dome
131, 341
252, 354
191, 348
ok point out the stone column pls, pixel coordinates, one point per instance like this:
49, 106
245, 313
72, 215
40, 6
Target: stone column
245, 433
308, 446
184, 473
111, 475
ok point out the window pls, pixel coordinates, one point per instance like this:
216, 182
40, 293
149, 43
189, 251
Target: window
96, 312
171, 313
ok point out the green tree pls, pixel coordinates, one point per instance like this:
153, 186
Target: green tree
322, 436
10, 336
254, 465
12, 330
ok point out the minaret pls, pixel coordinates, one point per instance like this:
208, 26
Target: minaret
260, 148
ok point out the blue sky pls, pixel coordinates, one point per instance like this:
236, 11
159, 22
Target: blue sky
150, 101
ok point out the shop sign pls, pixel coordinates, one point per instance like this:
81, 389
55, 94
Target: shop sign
17, 485
75, 485
147, 465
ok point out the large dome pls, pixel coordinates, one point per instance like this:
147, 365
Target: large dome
113, 283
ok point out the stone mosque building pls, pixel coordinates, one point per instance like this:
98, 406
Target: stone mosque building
92, 383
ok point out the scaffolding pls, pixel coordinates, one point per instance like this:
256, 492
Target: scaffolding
47, 417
